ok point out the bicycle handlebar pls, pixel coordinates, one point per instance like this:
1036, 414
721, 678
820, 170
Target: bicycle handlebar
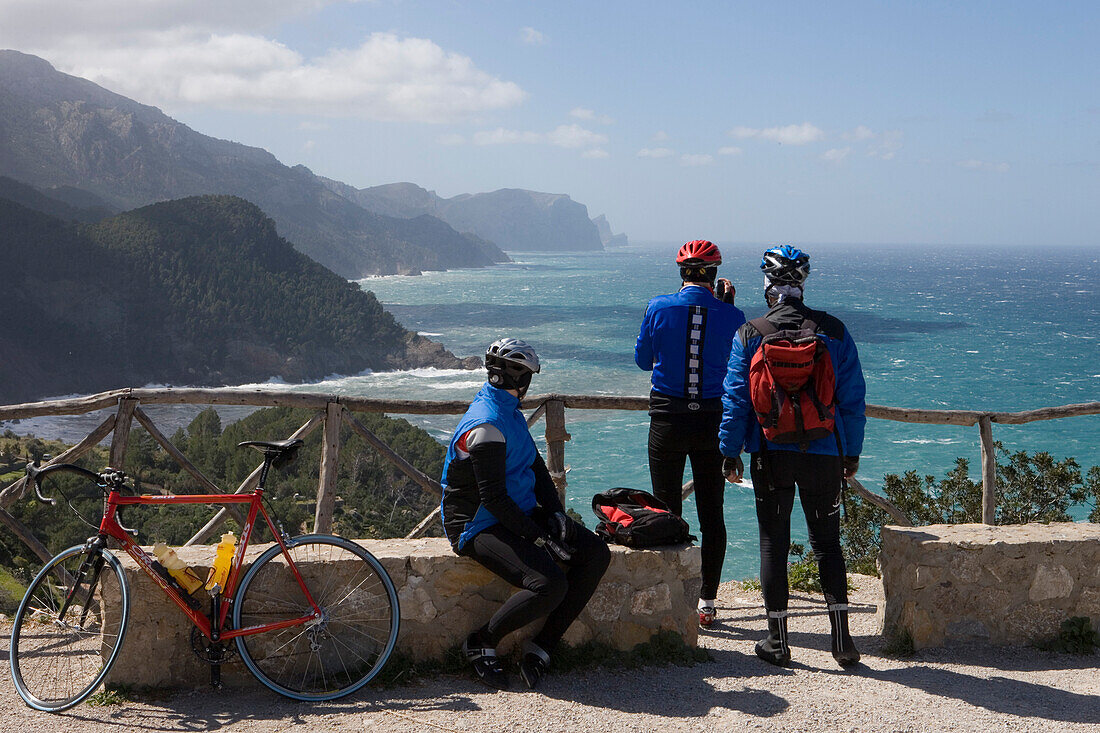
109, 479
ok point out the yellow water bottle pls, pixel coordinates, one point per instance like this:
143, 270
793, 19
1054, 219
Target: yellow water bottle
223, 561
177, 568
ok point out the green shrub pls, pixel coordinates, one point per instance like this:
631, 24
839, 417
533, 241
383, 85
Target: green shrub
1077, 636
899, 644
1030, 488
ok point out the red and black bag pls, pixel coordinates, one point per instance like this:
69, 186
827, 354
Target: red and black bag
792, 385
637, 518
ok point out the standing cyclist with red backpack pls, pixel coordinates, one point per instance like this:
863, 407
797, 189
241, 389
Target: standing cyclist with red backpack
685, 340
794, 400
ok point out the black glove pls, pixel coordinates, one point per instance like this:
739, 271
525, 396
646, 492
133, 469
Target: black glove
724, 290
733, 466
851, 465
562, 529
555, 549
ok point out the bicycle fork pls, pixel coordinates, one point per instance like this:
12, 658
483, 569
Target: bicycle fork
93, 562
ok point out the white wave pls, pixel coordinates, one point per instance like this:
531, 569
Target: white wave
927, 441
456, 385
424, 373
428, 334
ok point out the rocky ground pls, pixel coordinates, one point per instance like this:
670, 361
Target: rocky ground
964, 688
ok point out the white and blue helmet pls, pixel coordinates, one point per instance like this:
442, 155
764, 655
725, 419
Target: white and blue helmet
786, 265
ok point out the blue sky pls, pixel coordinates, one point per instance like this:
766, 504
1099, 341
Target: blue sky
808, 122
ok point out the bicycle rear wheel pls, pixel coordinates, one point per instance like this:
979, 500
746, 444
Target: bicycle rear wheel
341, 652
69, 628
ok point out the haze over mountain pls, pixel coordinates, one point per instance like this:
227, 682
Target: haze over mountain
62, 131
609, 238
513, 218
198, 291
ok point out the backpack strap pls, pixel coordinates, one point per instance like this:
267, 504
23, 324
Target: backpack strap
764, 326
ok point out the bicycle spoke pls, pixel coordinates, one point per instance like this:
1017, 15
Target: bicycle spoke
337, 652
57, 661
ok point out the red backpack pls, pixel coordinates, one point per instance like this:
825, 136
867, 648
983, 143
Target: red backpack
637, 518
792, 385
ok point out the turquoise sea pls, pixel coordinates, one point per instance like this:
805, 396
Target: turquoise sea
978, 328
952, 328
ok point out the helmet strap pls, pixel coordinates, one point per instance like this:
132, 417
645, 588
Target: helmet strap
505, 378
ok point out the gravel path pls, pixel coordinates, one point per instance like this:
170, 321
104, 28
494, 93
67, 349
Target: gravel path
971, 688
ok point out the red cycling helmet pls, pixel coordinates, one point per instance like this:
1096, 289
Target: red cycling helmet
699, 253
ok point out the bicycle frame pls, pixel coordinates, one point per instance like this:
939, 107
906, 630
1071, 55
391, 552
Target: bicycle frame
211, 628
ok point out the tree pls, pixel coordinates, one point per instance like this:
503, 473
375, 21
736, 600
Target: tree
1030, 488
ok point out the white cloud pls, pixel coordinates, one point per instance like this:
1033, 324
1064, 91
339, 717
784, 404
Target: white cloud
862, 132
214, 53
730, 150
309, 145
659, 137
563, 136
886, 145
655, 152
451, 138
501, 136
575, 136
835, 155
532, 37
788, 135
52, 23
582, 113
696, 160
982, 165
596, 153
311, 125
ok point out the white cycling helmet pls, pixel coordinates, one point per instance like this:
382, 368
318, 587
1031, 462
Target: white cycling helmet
511, 363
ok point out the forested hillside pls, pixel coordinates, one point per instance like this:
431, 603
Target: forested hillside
63, 131
374, 498
195, 291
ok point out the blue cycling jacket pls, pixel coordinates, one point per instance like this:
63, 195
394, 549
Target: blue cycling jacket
685, 340
499, 408
740, 430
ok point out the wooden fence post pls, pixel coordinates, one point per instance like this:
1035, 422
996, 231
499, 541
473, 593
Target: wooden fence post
555, 443
126, 407
989, 471
330, 453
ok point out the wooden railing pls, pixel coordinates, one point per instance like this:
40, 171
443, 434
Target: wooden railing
330, 412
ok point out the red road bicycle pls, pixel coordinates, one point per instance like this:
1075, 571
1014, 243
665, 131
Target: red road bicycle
314, 617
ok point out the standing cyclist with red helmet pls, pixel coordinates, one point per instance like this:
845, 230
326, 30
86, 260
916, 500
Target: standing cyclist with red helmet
501, 508
815, 463
685, 341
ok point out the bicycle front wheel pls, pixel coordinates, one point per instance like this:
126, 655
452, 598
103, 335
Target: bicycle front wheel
69, 628
335, 655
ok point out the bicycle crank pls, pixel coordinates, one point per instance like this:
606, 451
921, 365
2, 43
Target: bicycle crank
210, 652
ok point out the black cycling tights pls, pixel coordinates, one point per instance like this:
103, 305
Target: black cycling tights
546, 589
818, 481
672, 440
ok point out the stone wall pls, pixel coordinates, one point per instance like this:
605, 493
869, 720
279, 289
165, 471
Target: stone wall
1004, 585
443, 597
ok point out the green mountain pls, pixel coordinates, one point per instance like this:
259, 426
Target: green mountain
64, 204
61, 132
200, 290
